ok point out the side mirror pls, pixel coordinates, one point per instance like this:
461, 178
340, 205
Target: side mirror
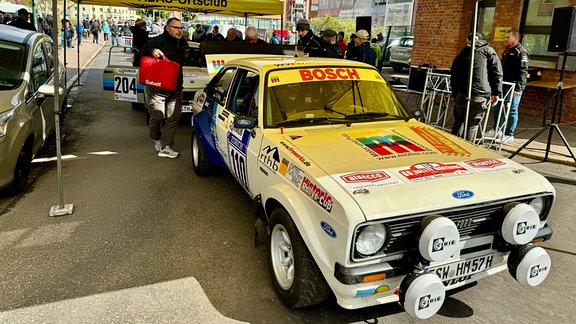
48, 90
417, 113
244, 122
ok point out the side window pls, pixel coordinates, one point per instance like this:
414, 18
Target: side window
219, 88
39, 72
246, 94
49, 50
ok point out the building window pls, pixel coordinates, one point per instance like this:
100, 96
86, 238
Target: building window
536, 26
486, 18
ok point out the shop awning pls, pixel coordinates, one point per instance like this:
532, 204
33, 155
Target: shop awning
222, 7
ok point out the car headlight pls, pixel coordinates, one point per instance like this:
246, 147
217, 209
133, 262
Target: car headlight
539, 204
371, 239
4, 120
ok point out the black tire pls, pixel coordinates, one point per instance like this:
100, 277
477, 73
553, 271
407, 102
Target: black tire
307, 286
397, 68
21, 173
202, 166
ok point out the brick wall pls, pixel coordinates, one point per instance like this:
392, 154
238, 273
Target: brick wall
440, 33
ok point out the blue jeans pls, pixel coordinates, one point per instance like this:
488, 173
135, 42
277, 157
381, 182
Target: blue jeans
115, 40
512, 114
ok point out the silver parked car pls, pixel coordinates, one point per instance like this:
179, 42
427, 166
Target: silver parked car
26, 111
401, 53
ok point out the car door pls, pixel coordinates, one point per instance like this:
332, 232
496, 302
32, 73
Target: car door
40, 107
240, 147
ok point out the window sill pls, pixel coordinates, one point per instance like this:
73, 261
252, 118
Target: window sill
543, 64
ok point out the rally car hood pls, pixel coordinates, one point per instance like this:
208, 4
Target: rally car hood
398, 167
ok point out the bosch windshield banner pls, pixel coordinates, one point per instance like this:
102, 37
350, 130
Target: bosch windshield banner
196, 3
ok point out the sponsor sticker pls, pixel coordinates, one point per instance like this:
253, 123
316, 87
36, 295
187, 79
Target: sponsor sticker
389, 146
429, 171
294, 174
442, 143
296, 154
328, 229
486, 165
317, 194
269, 157
367, 179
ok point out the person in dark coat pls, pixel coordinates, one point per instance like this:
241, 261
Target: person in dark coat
252, 36
311, 43
139, 38
165, 106
232, 35
22, 20
215, 34
363, 52
486, 85
331, 49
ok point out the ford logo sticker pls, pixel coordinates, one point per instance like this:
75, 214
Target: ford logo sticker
328, 229
462, 194
244, 122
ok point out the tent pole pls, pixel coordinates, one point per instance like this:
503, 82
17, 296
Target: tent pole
471, 70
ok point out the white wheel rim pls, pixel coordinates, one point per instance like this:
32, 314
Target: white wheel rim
195, 150
282, 256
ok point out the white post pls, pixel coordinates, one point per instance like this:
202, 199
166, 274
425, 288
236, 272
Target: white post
61, 209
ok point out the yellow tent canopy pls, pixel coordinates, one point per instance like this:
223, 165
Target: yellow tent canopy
223, 7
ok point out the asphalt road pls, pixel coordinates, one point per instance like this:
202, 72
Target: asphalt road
150, 242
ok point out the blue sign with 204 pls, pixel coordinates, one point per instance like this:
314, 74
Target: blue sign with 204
462, 194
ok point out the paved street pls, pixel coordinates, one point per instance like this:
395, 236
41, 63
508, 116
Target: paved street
150, 242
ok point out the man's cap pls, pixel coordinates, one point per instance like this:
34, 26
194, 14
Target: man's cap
379, 34
303, 24
23, 11
478, 36
329, 33
198, 25
140, 22
362, 34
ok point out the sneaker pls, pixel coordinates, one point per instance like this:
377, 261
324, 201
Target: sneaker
157, 145
506, 139
491, 134
167, 152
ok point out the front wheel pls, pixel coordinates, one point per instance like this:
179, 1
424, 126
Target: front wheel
21, 173
296, 277
202, 166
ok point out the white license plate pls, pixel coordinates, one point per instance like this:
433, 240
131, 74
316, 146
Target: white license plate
463, 268
186, 109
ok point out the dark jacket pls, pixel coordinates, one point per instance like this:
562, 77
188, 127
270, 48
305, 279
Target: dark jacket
214, 37
350, 50
139, 38
312, 45
515, 66
487, 72
22, 24
114, 30
332, 50
174, 50
364, 53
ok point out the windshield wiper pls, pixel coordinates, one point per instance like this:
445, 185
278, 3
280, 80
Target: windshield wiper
326, 108
304, 121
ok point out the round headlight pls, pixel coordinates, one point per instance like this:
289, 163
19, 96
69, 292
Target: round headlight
538, 204
371, 239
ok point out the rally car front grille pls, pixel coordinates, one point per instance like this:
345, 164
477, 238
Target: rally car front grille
472, 221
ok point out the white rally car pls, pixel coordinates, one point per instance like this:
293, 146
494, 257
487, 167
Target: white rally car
359, 198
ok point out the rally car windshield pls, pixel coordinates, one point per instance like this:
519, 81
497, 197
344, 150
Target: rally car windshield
296, 98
